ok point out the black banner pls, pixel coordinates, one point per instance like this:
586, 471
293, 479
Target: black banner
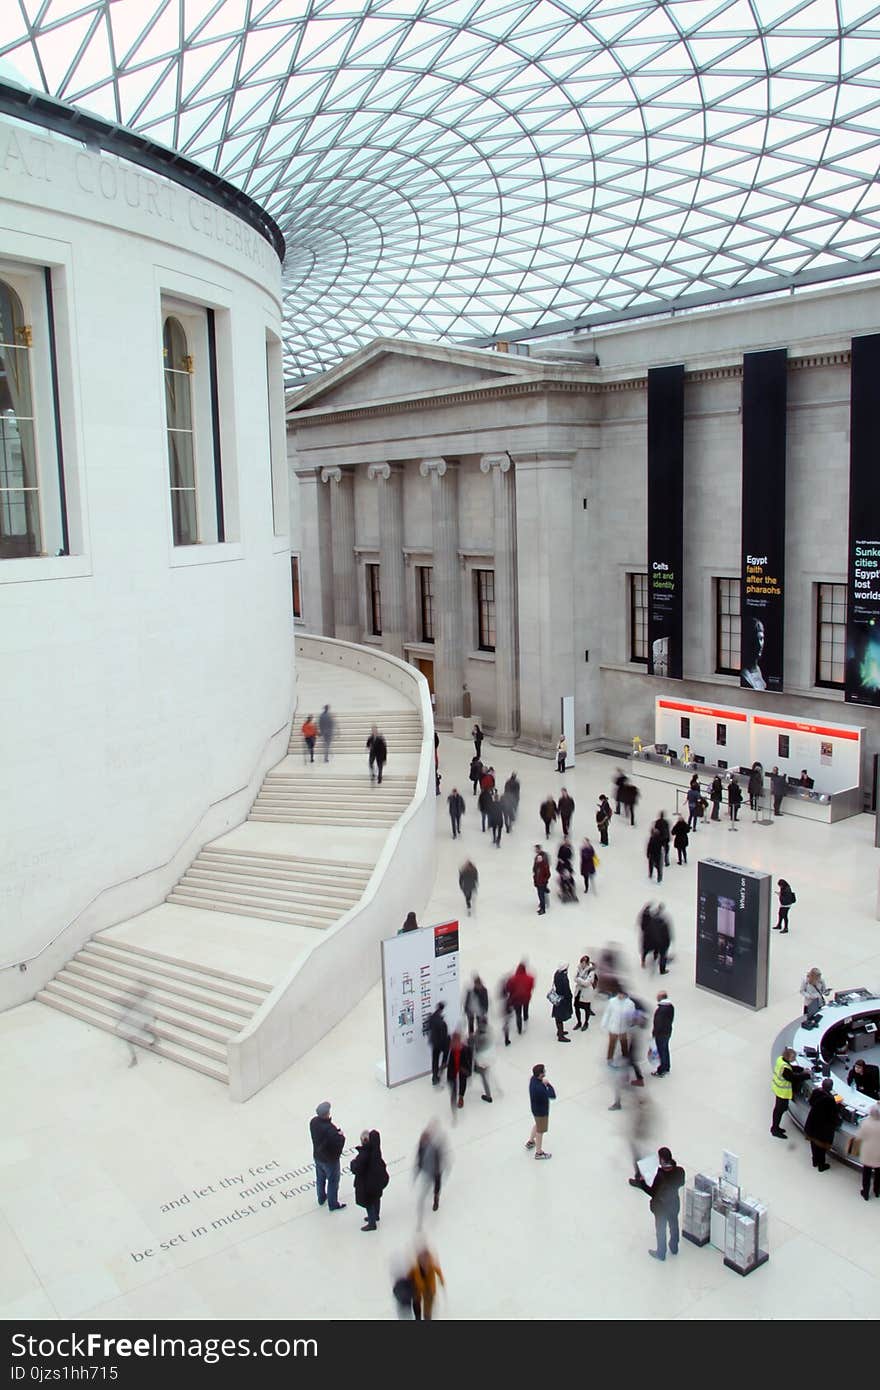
863, 579
763, 519
665, 519
733, 931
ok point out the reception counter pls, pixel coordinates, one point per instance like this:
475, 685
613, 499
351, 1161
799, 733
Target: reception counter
800, 801
847, 1031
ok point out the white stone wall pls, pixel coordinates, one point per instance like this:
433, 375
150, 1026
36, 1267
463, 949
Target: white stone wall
145, 687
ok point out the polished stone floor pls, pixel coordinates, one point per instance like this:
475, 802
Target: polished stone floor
94, 1155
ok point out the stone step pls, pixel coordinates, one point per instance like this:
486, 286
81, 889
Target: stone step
270, 873
295, 920
165, 1031
280, 817
130, 948
198, 877
177, 1014
217, 1014
234, 999
328, 912
267, 856
162, 1049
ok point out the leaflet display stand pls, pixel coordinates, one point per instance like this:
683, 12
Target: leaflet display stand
717, 1212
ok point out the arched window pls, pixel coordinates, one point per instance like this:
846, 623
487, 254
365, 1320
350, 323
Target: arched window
179, 425
20, 532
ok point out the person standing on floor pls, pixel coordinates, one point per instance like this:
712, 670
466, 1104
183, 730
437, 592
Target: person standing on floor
455, 802
813, 990
487, 779
785, 1073
565, 807
716, 796
541, 877
327, 1145
822, 1123
585, 981
756, 786
476, 772
655, 855
327, 729
495, 817
476, 1004
680, 836
664, 1015
468, 880
484, 1057
477, 735
694, 797
787, 899
562, 753
540, 1095
603, 818
438, 1036
661, 825
520, 987
734, 798
370, 1177
432, 1162
589, 863
562, 1009
378, 751
548, 813
778, 788
458, 1068
665, 1203
869, 1152
309, 731
423, 1276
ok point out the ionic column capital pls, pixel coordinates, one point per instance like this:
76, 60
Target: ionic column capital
438, 466
331, 475
502, 462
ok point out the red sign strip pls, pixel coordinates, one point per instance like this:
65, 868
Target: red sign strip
728, 715
805, 728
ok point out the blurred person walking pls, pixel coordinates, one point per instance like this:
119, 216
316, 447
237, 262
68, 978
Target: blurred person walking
455, 802
136, 1022
431, 1164
511, 789
370, 1177
476, 772
378, 751
589, 864
484, 1056
309, 731
661, 825
629, 795
459, 1066
327, 730
438, 1036
495, 817
476, 1004
484, 802
655, 854
541, 1093
520, 987
565, 807
616, 1022
548, 813
468, 880
423, 1276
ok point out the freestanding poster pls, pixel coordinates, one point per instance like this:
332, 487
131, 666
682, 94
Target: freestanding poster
665, 519
763, 519
419, 968
733, 932
863, 608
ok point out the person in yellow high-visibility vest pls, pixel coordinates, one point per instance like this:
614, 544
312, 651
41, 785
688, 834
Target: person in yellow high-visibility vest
784, 1075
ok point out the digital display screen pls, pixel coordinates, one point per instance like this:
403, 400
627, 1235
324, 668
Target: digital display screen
730, 942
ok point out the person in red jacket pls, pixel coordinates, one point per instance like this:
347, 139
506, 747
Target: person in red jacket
541, 878
519, 992
458, 1068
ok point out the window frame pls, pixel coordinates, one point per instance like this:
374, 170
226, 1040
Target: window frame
485, 609
638, 615
425, 595
723, 611
374, 598
837, 639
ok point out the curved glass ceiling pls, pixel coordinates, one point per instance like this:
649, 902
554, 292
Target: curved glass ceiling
465, 168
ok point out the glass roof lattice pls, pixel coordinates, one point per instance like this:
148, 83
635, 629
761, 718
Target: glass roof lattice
463, 169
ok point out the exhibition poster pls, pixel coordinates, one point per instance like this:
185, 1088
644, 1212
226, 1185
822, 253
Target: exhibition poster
763, 519
419, 969
733, 931
862, 678
665, 519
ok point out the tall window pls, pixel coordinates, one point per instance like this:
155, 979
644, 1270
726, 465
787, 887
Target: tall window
426, 602
485, 591
727, 627
33, 519
181, 435
294, 581
374, 601
830, 635
638, 617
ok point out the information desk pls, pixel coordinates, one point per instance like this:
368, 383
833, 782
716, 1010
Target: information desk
810, 804
843, 1036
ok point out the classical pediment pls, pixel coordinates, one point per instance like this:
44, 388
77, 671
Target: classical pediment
388, 370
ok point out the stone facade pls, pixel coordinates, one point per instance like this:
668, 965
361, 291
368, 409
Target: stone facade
534, 467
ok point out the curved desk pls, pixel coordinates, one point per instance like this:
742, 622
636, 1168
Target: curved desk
838, 1024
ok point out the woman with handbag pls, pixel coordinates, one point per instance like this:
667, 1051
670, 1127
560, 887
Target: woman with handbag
585, 983
560, 1000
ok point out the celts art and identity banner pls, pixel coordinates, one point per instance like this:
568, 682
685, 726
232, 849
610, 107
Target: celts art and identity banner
763, 519
863, 596
665, 519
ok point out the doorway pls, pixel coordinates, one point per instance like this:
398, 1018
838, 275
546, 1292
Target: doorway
426, 665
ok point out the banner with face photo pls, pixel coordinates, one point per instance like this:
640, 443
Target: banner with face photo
763, 519
665, 519
863, 592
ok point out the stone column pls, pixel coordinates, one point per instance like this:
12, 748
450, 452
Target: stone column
345, 598
389, 477
506, 625
546, 601
448, 622
317, 579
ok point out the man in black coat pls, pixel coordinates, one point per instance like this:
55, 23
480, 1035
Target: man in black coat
511, 789
495, 816
662, 937
438, 1035
455, 802
661, 826
822, 1122
476, 772
665, 1204
662, 1030
327, 1145
378, 750
565, 807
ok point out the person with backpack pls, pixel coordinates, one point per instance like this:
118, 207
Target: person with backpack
787, 898
370, 1177
309, 733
